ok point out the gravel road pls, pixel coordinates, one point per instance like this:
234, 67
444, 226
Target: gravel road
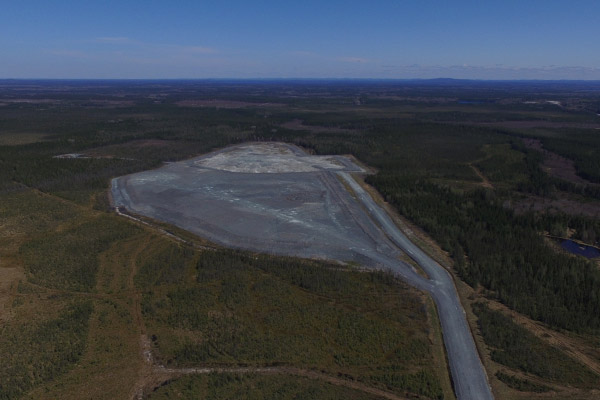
468, 375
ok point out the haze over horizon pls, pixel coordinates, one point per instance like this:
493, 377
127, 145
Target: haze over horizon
134, 39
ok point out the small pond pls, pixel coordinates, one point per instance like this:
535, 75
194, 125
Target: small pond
580, 249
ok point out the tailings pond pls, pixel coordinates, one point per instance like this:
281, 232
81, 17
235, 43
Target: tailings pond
267, 197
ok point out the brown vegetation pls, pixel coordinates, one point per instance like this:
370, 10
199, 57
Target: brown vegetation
485, 182
298, 125
554, 164
561, 203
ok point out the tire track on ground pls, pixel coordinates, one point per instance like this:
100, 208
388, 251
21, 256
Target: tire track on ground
163, 375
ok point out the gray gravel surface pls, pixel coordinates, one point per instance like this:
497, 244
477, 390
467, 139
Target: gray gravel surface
275, 198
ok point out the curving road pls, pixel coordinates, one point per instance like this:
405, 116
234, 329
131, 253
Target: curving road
468, 375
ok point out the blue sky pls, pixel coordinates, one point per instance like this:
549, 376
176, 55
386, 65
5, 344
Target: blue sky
527, 39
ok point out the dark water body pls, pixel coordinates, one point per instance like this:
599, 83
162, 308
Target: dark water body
579, 249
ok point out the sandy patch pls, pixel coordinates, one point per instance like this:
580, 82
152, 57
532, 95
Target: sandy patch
484, 180
15, 139
269, 158
298, 125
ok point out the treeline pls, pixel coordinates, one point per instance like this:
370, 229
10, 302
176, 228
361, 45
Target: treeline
586, 229
585, 190
500, 251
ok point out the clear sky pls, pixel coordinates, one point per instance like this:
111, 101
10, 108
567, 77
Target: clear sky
484, 39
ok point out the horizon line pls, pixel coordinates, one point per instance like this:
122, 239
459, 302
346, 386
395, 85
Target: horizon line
308, 79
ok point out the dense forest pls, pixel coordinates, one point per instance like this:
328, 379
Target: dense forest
501, 251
